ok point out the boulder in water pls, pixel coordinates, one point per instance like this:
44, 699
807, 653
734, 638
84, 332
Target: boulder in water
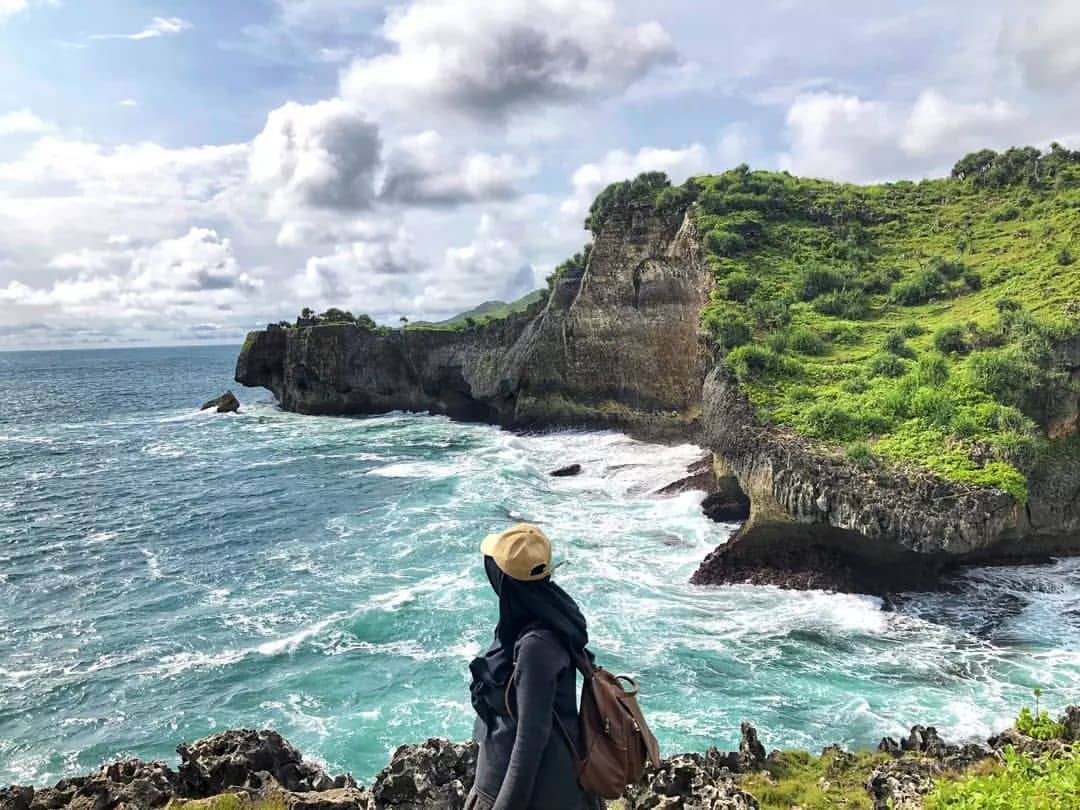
226, 403
570, 469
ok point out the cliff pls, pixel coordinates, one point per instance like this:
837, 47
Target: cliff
890, 374
617, 344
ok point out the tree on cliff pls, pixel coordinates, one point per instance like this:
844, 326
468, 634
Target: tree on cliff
643, 188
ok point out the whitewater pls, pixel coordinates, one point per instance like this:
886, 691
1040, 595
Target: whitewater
166, 573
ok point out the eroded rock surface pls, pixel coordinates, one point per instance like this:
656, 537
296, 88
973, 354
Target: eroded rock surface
226, 403
616, 345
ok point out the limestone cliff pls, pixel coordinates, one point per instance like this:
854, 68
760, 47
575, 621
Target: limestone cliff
617, 344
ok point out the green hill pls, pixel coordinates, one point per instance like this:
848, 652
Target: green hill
481, 314
905, 322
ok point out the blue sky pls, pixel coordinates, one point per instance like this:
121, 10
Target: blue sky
183, 171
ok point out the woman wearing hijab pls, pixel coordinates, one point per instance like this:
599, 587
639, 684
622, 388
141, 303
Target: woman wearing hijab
524, 688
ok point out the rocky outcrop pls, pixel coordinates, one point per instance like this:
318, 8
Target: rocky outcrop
616, 344
820, 520
437, 775
226, 403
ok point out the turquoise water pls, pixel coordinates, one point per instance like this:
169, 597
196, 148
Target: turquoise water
166, 573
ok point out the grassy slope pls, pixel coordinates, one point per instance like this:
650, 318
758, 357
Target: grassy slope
492, 311
822, 374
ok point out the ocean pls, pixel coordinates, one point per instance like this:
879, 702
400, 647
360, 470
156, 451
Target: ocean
166, 573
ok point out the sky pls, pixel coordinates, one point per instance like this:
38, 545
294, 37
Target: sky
182, 171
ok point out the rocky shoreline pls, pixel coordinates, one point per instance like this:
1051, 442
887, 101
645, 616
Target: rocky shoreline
262, 767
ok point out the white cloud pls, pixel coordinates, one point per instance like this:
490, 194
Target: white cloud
192, 275
591, 178
1042, 36
128, 102
425, 169
11, 7
938, 126
321, 155
487, 60
845, 137
22, 122
158, 27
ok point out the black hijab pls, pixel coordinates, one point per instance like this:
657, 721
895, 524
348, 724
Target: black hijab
522, 606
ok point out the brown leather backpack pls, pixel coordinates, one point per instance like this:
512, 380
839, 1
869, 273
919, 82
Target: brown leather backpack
618, 744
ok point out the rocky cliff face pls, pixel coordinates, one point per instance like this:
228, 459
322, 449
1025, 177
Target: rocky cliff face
617, 344
819, 519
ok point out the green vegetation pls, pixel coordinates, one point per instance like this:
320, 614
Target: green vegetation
911, 321
482, 315
332, 316
799, 779
1032, 783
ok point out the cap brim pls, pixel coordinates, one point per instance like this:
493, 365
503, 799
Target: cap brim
488, 545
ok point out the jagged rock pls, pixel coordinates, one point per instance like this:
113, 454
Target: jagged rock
435, 775
226, 403
1070, 722
890, 746
564, 472
689, 782
16, 797
751, 751
244, 758
900, 784
124, 785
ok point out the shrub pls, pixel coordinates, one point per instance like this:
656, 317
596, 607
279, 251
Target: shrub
848, 304
973, 280
1064, 257
806, 341
727, 328
814, 281
723, 242
923, 286
950, 339
882, 280
1040, 726
752, 361
931, 369
834, 422
1007, 305
777, 341
770, 314
949, 269
895, 344
1005, 213
739, 286
859, 452
1005, 374
887, 365
911, 329
933, 405
1038, 783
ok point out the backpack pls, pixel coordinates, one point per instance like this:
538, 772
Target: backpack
618, 744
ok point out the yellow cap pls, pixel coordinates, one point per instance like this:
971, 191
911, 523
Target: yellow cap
522, 552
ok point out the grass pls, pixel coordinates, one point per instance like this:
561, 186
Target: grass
913, 319
1022, 781
228, 801
481, 316
799, 779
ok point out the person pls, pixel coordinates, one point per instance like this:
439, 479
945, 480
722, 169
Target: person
524, 689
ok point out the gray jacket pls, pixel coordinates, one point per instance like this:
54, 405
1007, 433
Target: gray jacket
525, 762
